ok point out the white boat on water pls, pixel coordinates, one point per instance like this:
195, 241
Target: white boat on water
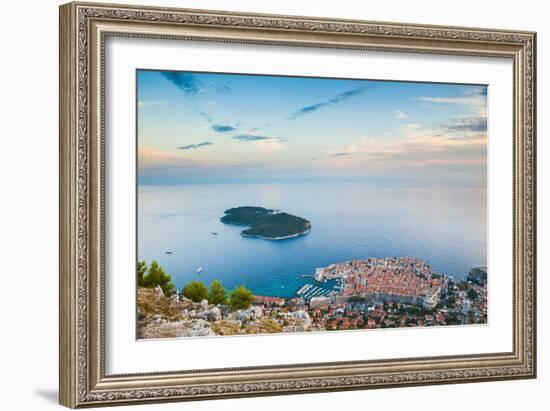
199, 270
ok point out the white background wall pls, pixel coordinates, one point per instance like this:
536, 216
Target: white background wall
28, 217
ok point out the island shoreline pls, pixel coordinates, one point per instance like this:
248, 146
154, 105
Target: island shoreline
266, 224
276, 238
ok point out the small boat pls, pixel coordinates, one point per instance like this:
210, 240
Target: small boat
214, 233
168, 252
199, 270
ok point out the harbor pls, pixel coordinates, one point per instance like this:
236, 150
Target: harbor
325, 288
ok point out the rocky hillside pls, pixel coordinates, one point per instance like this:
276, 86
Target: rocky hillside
176, 316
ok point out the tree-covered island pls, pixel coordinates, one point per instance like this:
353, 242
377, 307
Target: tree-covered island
265, 223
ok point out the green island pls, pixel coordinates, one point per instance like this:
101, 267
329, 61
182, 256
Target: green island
265, 223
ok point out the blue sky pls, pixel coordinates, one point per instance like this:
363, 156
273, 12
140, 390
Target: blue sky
216, 128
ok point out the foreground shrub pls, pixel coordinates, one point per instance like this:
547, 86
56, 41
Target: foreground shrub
241, 298
195, 291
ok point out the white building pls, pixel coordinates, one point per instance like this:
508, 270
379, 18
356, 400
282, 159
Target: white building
466, 305
319, 274
430, 300
319, 301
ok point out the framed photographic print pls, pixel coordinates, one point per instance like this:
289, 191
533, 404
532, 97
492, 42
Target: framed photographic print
259, 204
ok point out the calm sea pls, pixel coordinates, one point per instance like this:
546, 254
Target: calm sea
446, 226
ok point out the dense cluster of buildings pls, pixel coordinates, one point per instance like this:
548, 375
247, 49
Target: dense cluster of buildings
359, 294
384, 293
402, 280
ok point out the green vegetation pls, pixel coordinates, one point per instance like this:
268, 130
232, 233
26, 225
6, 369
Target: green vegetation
266, 223
217, 294
472, 294
195, 291
153, 276
463, 285
141, 271
241, 298
478, 275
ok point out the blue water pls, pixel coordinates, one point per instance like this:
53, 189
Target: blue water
446, 226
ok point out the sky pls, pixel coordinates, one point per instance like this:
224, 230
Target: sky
204, 128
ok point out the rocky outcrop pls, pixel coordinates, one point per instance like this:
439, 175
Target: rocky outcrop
252, 313
214, 314
169, 317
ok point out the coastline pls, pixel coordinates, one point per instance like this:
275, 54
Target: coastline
423, 299
276, 238
265, 221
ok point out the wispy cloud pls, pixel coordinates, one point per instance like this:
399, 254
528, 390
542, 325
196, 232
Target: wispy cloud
418, 148
222, 89
332, 101
151, 103
186, 82
467, 137
263, 142
271, 144
250, 137
462, 100
190, 84
203, 114
399, 114
473, 98
153, 161
150, 157
220, 128
482, 91
468, 124
474, 101
193, 146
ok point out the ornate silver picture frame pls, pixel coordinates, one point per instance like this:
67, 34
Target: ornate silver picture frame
84, 30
